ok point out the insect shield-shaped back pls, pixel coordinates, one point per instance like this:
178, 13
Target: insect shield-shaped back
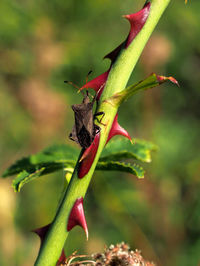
84, 129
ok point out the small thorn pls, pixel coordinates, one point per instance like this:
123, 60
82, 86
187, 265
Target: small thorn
88, 157
77, 217
137, 21
82, 157
116, 129
97, 83
41, 232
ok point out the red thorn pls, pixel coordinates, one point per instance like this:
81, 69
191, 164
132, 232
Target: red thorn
90, 153
62, 258
113, 55
88, 157
116, 129
97, 83
162, 79
137, 21
41, 232
77, 217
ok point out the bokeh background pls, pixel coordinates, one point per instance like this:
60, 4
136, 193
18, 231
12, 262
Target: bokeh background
43, 43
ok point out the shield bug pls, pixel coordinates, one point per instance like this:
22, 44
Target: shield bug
84, 130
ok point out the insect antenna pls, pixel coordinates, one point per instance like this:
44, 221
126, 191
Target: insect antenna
77, 87
86, 81
74, 85
97, 93
87, 77
71, 83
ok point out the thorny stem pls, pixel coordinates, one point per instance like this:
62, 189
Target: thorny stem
121, 70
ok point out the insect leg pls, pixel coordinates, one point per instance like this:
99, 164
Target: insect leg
88, 76
73, 135
97, 129
99, 120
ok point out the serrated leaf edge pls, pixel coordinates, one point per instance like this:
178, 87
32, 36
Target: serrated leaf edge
18, 185
124, 164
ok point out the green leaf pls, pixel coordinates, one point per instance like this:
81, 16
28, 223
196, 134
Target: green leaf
52, 158
47, 161
121, 148
58, 157
120, 166
25, 177
150, 82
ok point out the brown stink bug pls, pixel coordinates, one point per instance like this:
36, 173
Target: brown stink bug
84, 130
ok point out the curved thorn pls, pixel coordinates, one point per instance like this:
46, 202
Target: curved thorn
116, 129
77, 217
88, 157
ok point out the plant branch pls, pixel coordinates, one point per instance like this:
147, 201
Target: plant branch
117, 80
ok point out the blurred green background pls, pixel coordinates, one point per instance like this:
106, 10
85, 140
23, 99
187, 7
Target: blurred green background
43, 43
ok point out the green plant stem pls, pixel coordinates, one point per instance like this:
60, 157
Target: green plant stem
118, 77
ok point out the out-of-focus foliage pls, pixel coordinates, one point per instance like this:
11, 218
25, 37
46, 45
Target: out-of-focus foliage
43, 43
